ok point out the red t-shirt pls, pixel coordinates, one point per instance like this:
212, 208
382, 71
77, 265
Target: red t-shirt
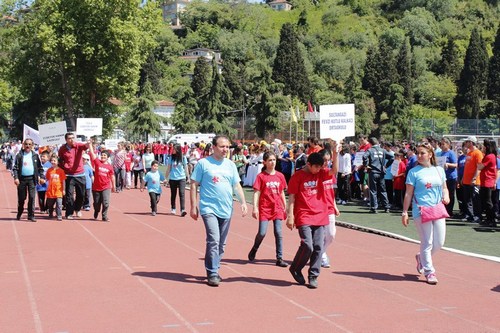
329, 193
310, 201
128, 161
399, 182
103, 172
488, 174
271, 188
365, 147
71, 158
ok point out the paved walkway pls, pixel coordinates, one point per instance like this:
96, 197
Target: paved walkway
140, 273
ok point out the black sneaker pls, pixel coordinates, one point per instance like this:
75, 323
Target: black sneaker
281, 263
32, 219
373, 211
18, 216
251, 254
96, 214
297, 276
214, 280
313, 282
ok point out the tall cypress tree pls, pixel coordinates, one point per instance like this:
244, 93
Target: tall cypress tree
449, 64
234, 78
471, 87
494, 76
184, 117
404, 70
212, 108
201, 79
289, 67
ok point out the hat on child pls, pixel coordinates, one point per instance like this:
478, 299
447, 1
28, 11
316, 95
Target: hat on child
471, 139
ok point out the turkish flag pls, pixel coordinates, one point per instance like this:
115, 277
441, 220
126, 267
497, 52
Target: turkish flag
309, 106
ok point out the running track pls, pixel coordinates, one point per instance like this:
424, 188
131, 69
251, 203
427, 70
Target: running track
140, 273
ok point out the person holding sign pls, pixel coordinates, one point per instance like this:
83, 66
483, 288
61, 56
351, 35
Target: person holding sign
71, 161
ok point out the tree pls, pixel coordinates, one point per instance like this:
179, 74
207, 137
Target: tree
200, 83
289, 68
449, 64
396, 108
405, 73
141, 120
213, 117
184, 117
494, 76
83, 52
471, 87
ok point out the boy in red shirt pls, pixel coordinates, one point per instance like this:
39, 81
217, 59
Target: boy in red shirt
56, 188
307, 212
104, 182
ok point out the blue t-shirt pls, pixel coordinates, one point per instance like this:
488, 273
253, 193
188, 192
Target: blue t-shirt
461, 166
217, 180
451, 157
88, 175
28, 168
177, 170
412, 162
40, 188
427, 186
154, 179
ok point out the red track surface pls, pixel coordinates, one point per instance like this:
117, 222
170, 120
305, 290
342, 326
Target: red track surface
140, 273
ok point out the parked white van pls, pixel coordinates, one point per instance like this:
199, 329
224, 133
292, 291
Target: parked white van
191, 138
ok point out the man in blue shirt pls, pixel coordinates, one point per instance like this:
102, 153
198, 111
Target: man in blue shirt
217, 178
27, 171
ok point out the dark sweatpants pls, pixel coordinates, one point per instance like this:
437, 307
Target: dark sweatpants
310, 249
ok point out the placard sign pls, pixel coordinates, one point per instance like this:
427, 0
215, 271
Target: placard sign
336, 121
358, 158
53, 133
89, 126
441, 161
111, 144
395, 168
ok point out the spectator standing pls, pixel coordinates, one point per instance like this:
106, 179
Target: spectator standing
460, 175
27, 172
450, 169
217, 179
344, 175
488, 178
399, 181
70, 160
471, 181
374, 160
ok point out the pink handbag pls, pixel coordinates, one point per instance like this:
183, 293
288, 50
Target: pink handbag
432, 213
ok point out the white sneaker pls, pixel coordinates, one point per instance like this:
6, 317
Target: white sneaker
343, 202
420, 269
431, 278
173, 212
325, 263
79, 213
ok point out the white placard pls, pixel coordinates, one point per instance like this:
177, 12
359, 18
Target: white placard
358, 158
53, 133
89, 126
337, 121
31, 133
395, 167
111, 144
441, 161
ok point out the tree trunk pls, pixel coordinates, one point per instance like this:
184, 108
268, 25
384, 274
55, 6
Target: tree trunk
68, 99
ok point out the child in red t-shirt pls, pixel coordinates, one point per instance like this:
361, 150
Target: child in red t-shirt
399, 181
269, 204
56, 189
104, 182
307, 212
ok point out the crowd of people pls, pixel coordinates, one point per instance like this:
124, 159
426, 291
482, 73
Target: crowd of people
315, 176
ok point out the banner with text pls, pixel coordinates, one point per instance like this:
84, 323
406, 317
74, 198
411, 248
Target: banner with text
53, 133
89, 126
337, 121
31, 133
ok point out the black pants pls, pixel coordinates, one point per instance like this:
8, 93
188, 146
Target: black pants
154, 198
41, 200
452, 185
343, 187
138, 175
389, 190
460, 199
472, 202
310, 249
26, 185
101, 199
181, 186
487, 203
376, 183
75, 193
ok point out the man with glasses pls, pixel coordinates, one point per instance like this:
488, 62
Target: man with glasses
27, 171
70, 160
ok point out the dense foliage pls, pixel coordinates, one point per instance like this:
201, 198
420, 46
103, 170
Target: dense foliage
393, 59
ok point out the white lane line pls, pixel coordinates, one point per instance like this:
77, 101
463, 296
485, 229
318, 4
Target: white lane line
11, 272
141, 280
27, 281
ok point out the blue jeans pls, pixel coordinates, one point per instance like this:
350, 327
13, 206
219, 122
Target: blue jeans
217, 230
278, 236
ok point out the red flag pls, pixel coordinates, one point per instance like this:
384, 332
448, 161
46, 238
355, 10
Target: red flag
309, 106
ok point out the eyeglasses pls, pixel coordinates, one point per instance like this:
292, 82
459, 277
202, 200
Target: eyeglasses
28, 144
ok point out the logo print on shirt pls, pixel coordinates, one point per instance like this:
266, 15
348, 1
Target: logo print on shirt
428, 185
215, 179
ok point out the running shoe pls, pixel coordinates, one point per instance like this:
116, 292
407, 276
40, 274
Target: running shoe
420, 269
431, 278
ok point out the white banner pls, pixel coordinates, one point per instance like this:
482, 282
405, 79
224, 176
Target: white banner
395, 168
337, 121
111, 144
31, 133
53, 133
89, 126
358, 158
441, 161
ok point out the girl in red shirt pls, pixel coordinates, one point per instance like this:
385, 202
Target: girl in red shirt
488, 178
269, 204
